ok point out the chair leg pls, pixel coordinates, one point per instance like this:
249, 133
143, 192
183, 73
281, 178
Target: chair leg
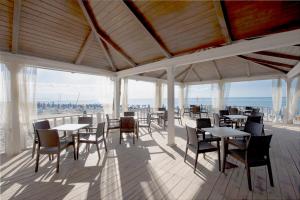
49, 156
74, 151
104, 140
270, 172
34, 147
196, 161
98, 151
120, 136
133, 136
219, 155
249, 178
37, 161
57, 164
186, 150
78, 145
224, 156
107, 131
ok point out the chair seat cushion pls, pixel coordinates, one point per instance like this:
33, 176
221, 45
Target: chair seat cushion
87, 137
206, 147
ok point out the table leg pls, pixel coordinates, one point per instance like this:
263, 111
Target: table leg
228, 165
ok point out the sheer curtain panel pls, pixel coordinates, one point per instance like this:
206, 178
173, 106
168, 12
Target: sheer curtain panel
124, 94
276, 98
294, 99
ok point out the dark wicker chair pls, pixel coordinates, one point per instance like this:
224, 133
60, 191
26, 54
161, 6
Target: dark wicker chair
128, 125
198, 146
221, 122
92, 138
177, 115
129, 114
255, 129
38, 125
256, 154
112, 124
50, 143
86, 120
233, 111
205, 123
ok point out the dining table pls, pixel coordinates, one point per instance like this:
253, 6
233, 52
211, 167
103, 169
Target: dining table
73, 128
236, 118
224, 133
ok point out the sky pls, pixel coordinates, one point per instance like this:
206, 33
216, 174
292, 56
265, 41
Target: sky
67, 86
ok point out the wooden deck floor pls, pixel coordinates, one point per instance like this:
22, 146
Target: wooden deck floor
152, 170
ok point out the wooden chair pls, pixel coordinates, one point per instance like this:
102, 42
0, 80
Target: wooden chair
196, 111
233, 111
199, 146
86, 120
186, 110
112, 124
128, 125
221, 122
50, 143
164, 118
256, 154
92, 138
205, 123
255, 129
129, 114
145, 122
38, 125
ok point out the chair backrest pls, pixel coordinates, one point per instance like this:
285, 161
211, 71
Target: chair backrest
216, 119
166, 116
191, 134
161, 109
259, 114
233, 111
127, 123
256, 119
85, 120
100, 129
248, 108
255, 129
41, 125
196, 109
48, 138
203, 123
258, 146
128, 114
224, 112
255, 110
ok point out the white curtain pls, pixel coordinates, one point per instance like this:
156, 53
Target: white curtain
5, 109
294, 98
220, 92
164, 95
216, 95
124, 94
276, 98
186, 95
158, 92
106, 93
27, 103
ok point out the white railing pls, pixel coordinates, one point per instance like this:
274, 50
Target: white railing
56, 120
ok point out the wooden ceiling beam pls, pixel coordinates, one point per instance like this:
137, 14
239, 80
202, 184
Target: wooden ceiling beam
178, 75
16, 26
187, 74
84, 47
108, 55
267, 62
265, 65
217, 70
268, 42
248, 69
92, 21
278, 55
163, 74
295, 71
197, 74
147, 27
222, 20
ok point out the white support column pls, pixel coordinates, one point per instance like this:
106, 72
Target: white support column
171, 124
288, 101
14, 138
117, 98
221, 95
158, 94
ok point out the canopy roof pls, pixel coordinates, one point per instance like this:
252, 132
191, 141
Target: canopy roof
117, 35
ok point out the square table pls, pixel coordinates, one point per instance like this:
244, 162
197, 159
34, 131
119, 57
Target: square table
223, 133
236, 118
71, 127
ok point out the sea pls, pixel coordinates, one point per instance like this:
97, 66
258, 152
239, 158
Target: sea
233, 101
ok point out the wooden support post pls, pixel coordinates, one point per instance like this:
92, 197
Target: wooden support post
117, 98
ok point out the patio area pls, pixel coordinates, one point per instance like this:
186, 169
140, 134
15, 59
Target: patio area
150, 169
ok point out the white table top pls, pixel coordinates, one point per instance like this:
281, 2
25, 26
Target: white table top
158, 112
224, 132
70, 127
236, 116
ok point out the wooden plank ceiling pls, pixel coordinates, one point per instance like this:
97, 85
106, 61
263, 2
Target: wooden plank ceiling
117, 35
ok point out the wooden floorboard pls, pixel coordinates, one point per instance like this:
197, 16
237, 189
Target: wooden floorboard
150, 169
